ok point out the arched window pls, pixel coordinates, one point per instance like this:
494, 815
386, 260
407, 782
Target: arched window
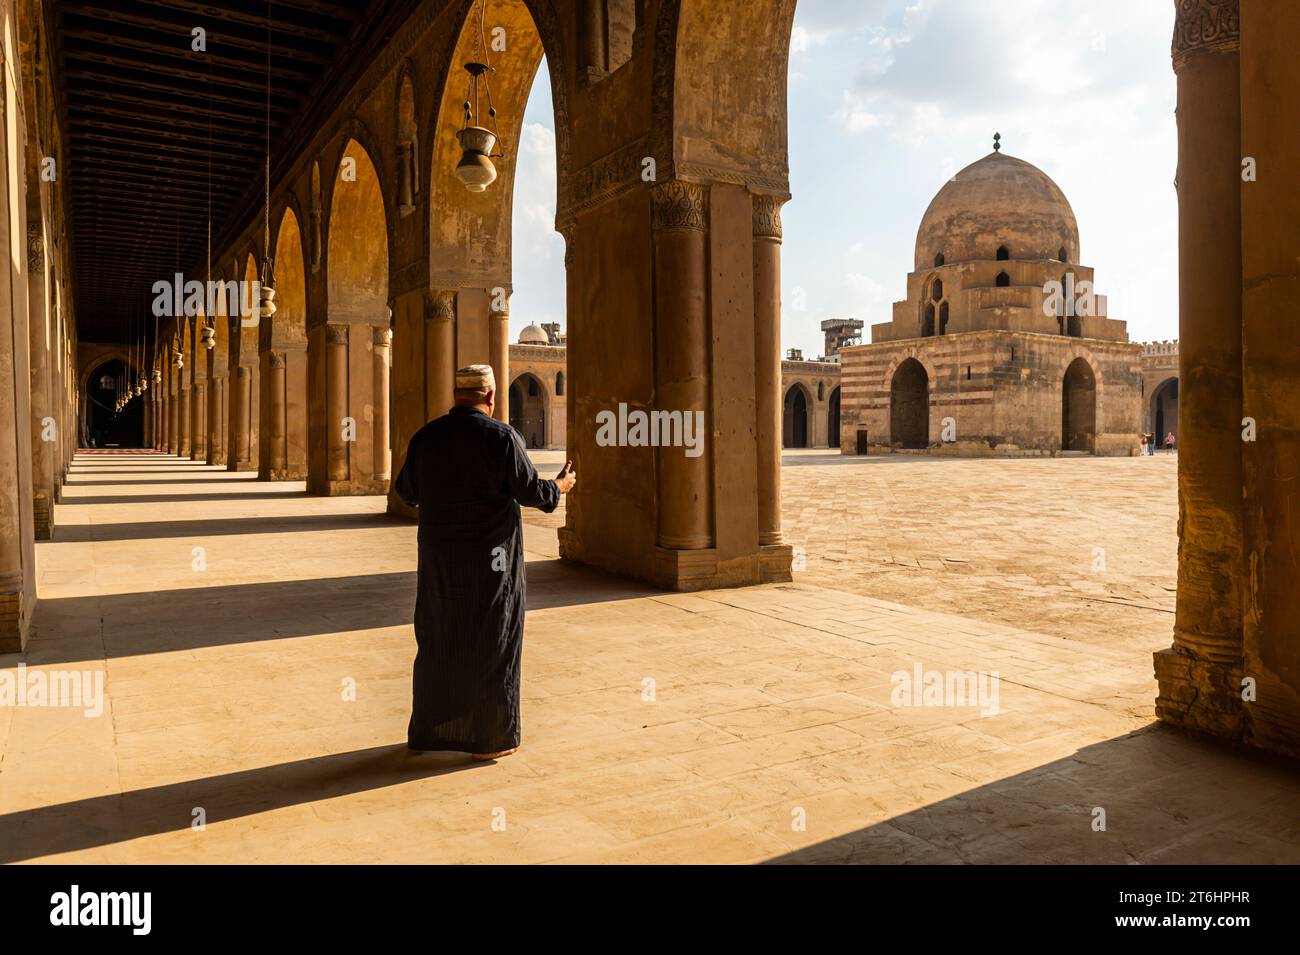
927, 322
1003, 280
1062, 254
936, 290
943, 318
1003, 253
938, 259
821, 391
559, 383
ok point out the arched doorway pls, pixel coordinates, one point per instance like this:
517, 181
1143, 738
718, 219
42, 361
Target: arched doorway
833, 419
349, 356
1164, 410
106, 427
1078, 407
795, 418
909, 406
528, 409
282, 366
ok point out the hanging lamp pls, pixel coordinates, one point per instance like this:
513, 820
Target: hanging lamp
476, 169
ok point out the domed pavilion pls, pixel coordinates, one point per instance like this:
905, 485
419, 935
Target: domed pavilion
1002, 345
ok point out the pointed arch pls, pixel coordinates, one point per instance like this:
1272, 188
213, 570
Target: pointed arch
796, 414
909, 406
357, 253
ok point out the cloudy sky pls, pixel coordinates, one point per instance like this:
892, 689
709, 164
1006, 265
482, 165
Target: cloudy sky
888, 99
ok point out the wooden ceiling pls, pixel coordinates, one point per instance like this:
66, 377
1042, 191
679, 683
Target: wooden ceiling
149, 123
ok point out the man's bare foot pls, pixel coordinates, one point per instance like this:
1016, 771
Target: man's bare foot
486, 756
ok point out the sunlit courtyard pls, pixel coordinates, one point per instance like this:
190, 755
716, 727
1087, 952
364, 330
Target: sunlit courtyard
256, 690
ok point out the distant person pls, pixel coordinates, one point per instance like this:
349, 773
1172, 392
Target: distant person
1143, 444
1169, 442
468, 474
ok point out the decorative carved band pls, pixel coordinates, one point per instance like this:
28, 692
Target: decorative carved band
679, 206
336, 334
569, 231
1205, 26
440, 306
35, 250
381, 337
603, 180
767, 217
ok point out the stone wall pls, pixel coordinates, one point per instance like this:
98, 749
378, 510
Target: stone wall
1002, 391
818, 381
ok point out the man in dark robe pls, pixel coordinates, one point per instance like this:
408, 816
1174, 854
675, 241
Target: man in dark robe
468, 474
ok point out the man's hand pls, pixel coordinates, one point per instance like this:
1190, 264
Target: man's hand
566, 478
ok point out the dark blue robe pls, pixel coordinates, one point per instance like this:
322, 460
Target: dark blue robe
468, 474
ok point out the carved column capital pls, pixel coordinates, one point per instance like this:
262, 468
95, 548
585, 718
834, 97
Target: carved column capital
1205, 26
35, 249
439, 305
569, 232
767, 217
277, 359
336, 334
381, 337
679, 206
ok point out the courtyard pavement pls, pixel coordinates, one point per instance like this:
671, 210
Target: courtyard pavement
255, 647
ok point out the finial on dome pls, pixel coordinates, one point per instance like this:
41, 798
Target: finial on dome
997, 142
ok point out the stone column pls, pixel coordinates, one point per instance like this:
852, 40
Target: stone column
680, 217
173, 419
17, 550
382, 339
216, 422
277, 425
1270, 230
1199, 676
240, 456
164, 410
160, 416
767, 363
499, 351
440, 352
198, 422
44, 427
336, 400
183, 419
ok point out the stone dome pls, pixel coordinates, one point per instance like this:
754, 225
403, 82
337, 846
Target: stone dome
997, 201
534, 335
